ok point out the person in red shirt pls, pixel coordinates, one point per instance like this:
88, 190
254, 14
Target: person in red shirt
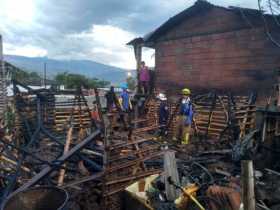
94, 113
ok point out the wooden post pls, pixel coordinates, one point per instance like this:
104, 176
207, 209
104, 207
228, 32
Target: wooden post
278, 87
265, 119
248, 193
137, 44
138, 57
170, 170
264, 128
278, 97
99, 108
66, 149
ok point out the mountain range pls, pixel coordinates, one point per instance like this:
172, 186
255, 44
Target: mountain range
88, 68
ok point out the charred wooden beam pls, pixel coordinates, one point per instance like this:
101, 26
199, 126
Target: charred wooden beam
60, 161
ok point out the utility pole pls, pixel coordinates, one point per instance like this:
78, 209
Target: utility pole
45, 75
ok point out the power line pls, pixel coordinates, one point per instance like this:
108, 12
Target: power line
245, 18
276, 4
272, 12
266, 26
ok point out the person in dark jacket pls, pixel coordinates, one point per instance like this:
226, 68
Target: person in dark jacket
110, 99
163, 113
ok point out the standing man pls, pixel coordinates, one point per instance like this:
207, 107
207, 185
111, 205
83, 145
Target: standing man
185, 118
163, 113
110, 99
144, 78
126, 107
125, 99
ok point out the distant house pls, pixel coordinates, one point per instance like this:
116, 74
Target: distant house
208, 47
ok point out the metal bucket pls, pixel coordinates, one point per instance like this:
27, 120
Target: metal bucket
39, 198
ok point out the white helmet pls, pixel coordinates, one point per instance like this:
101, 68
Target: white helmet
161, 97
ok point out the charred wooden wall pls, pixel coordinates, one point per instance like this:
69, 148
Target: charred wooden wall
220, 51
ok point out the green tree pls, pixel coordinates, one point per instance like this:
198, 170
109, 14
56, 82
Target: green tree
25, 77
131, 83
94, 82
78, 80
61, 78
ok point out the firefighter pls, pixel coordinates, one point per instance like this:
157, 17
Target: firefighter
185, 118
163, 113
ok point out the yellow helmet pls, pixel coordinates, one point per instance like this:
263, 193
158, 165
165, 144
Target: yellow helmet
186, 91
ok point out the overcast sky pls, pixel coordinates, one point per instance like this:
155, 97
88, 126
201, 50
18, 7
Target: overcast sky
87, 29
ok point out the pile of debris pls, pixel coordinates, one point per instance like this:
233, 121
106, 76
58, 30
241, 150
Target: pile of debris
210, 173
58, 144
210, 180
59, 147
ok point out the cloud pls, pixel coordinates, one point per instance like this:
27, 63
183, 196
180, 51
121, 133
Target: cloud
87, 29
26, 50
103, 43
18, 11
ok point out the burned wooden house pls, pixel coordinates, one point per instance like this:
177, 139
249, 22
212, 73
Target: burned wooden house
208, 47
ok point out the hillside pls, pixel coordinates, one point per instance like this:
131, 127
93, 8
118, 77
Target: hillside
84, 67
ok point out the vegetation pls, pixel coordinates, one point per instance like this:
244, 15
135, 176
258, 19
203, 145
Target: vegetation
76, 80
131, 83
69, 80
9, 118
25, 77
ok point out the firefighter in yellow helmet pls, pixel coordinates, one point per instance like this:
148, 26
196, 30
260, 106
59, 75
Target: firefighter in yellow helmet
185, 118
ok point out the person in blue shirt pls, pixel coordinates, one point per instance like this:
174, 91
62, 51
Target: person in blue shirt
125, 99
185, 118
125, 104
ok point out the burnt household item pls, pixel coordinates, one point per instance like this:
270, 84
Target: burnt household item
40, 198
